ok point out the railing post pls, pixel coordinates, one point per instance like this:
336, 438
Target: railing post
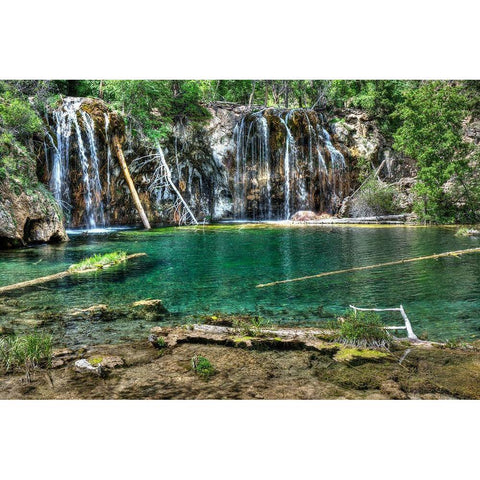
410, 333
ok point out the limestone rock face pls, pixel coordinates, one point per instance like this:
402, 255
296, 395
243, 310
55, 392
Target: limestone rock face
28, 216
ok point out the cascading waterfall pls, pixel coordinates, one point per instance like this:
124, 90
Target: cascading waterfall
285, 161
72, 135
109, 156
338, 160
96, 211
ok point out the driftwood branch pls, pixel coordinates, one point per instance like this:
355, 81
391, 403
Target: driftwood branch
456, 253
56, 276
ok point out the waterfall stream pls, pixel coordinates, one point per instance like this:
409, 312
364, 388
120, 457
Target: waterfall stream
74, 129
285, 161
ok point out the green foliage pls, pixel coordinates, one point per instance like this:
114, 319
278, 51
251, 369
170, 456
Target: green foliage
431, 132
17, 116
379, 98
99, 261
27, 352
202, 367
150, 106
362, 329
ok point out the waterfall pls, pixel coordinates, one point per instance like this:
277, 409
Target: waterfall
338, 160
109, 156
71, 136
289, 152
285, 161
96, 211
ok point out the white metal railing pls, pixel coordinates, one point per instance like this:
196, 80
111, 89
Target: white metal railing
407, 327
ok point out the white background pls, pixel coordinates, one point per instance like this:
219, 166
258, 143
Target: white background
241, 40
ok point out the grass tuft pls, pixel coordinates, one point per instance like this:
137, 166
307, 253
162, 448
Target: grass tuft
99, 261
363, 330
27, 352
250, 326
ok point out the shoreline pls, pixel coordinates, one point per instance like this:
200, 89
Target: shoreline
291, 363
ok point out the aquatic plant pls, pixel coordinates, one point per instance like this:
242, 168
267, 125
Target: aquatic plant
202, 367
99, 261
363, 329
27, 351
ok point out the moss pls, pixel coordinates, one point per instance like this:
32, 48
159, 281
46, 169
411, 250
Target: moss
356, 355
95, 361
245, 339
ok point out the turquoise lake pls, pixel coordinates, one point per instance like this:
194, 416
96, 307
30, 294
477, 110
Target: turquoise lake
204, 270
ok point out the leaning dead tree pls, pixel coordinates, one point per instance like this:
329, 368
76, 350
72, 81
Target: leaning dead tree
123, 164
161, 180
408, 326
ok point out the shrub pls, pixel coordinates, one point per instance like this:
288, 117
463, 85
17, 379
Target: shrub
202, 367
363, 329
17, 116
375, 198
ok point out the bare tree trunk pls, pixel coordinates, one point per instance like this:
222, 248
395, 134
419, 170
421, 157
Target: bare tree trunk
252, 94
128, 178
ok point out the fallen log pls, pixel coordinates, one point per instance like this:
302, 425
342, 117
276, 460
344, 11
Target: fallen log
55, 276
456, 253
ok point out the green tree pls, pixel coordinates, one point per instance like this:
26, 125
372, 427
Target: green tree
431, 132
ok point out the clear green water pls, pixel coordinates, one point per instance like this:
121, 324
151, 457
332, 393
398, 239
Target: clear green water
215, 269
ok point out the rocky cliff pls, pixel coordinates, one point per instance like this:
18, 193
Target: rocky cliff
243, 163
28, 211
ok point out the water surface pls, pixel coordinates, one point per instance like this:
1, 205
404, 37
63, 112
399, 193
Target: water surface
210, 269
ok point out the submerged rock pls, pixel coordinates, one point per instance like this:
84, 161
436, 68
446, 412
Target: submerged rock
95, 312
151, 309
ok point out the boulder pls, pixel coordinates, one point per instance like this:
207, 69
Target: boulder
304, 216
84, 366
151, 309
28, 216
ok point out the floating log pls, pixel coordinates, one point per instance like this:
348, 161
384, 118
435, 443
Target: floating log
456, 253
55, 276
131, 186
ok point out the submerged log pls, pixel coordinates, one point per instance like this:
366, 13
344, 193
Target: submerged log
377, 220
55, 276
131, 186
456, 253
